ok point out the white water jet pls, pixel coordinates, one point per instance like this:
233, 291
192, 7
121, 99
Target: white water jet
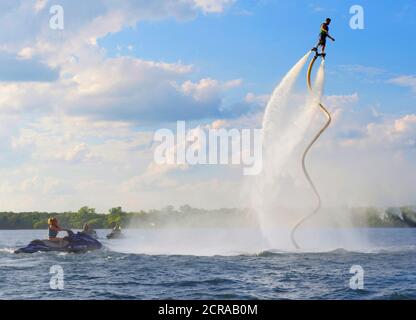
280, 195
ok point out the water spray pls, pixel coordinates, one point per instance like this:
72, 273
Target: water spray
308, 148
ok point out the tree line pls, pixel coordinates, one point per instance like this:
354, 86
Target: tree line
186, 216
114, 216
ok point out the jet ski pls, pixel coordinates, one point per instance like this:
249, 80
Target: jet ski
91, 232
75, 243
115, 234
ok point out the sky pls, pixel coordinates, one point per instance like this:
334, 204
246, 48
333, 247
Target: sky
79, 106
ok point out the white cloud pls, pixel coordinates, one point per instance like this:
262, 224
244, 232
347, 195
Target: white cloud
339, 101
260, 100
91, 84
78, 139
214, 6
339, 104
121, 88
387, 133
405, 81
207, 89
406, 124
26, 53
360, 69
76, 153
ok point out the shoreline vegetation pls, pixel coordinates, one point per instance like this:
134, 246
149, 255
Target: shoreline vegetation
186, 216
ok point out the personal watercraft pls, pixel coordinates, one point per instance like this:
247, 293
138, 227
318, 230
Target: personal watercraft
75, 243
91, 232
115, 234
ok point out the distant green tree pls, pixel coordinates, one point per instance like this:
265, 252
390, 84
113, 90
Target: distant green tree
116, 211
116, 216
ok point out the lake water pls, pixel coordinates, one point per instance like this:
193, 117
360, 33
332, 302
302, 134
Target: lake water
144, 266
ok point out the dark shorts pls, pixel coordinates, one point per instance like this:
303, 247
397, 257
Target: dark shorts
322, 40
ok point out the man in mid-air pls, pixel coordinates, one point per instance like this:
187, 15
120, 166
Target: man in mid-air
323, 35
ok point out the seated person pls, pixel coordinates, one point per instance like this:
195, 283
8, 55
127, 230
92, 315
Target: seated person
117, 228
115, 232
54, 229
89, 231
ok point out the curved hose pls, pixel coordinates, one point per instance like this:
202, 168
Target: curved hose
305, 171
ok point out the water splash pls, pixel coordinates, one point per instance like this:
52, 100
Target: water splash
280, 97
275, 194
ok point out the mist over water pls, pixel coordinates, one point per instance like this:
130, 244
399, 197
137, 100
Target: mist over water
191, 241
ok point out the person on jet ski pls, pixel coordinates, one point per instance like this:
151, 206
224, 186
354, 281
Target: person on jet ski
54, 229
117, 228
89, 231
73, 243
115, 232
323, 35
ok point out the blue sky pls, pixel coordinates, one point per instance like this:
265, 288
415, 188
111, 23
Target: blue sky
259, 41
79, 106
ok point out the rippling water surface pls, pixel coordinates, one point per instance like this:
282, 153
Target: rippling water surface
121, 271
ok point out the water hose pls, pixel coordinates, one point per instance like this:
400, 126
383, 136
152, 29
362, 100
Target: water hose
308, 148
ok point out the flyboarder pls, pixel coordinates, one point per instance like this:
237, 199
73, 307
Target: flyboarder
322, 37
